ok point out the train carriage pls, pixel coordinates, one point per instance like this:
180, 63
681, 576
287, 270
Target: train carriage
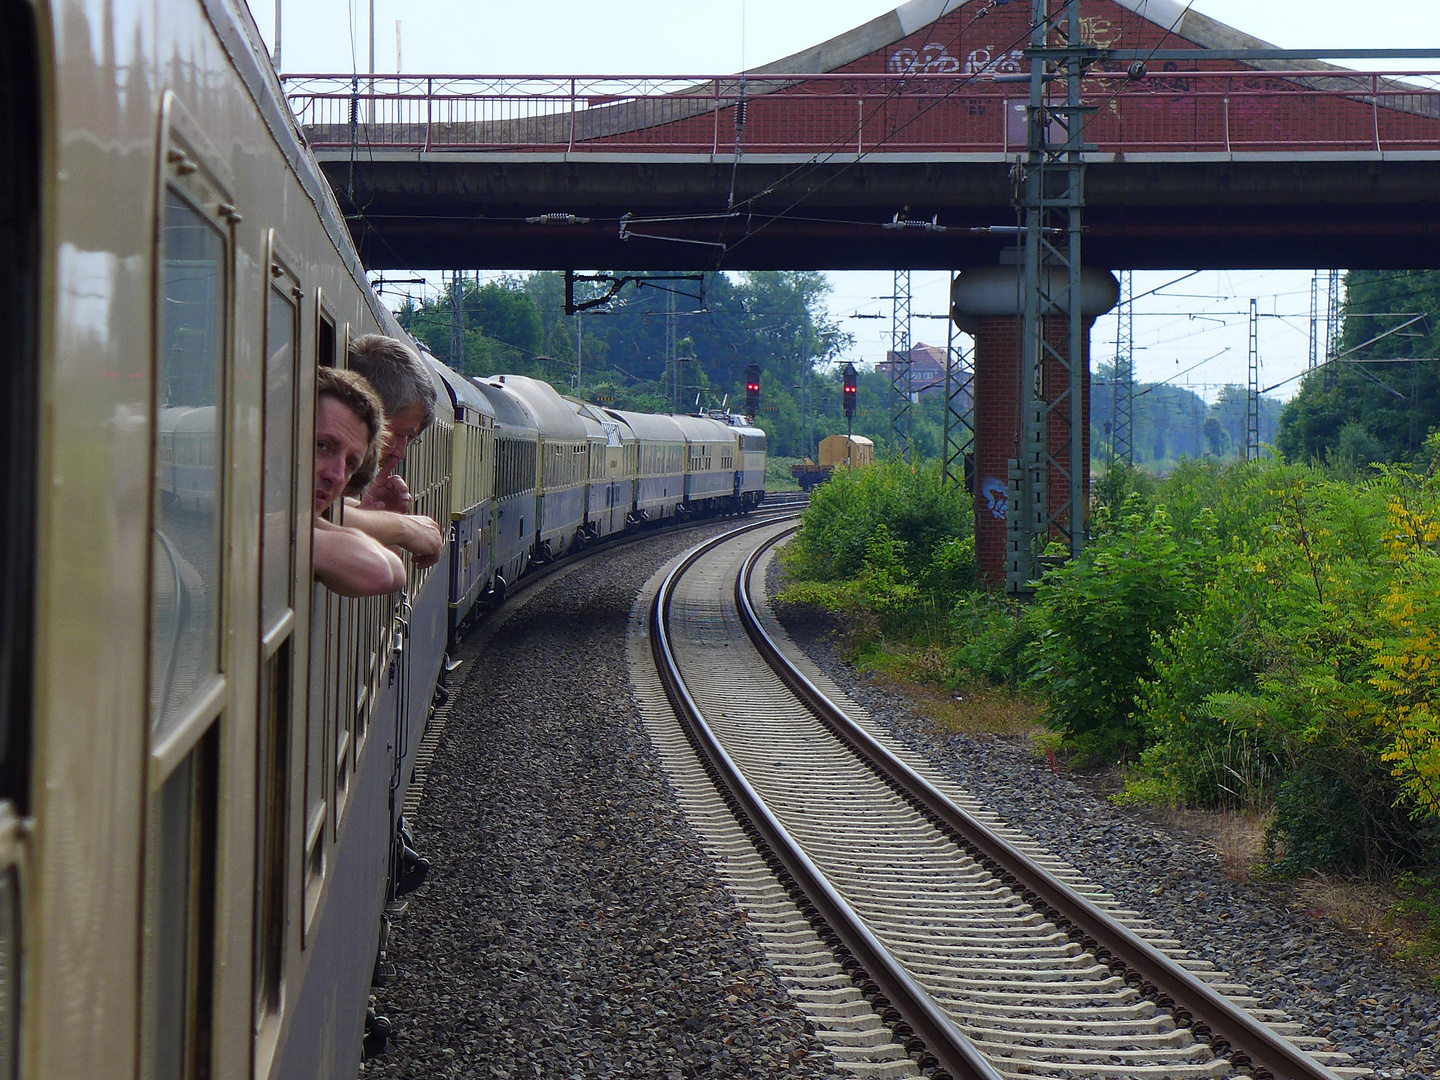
711, 448
564, 465
610, 486
471, 518
750, 464
202, 752
660, 467
517, 459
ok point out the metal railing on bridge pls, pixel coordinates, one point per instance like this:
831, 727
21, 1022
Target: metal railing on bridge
1166, 112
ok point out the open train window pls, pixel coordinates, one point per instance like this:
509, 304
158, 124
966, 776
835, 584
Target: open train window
19, 386
323, 614
19, 397
193, 276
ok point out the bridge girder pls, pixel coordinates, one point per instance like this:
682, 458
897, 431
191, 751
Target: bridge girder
456, 210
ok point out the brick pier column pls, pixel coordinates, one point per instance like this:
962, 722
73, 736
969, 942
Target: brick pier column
987, 304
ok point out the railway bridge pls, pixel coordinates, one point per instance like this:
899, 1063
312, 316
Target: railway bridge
902, 144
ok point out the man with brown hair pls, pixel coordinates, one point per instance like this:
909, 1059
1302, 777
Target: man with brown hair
349, 433
401, 379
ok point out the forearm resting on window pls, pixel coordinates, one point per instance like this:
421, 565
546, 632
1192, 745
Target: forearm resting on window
352, 564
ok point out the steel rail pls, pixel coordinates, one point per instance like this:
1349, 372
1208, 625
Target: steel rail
884, 980
1232, 1032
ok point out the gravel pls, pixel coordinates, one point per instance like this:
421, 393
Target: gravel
571, 925
1261, 932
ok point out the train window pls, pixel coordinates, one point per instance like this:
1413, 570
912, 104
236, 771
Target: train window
187, 691
272, 829
181, 921
278, 538
185, 620
324, 334
19, 394
277, 623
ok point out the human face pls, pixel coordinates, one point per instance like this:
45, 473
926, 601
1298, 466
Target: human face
404, 427
341, 439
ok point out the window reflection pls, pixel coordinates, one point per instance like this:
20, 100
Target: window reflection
184, 644
279, 458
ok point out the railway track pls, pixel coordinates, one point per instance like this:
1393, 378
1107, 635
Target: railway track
481, 629
921, 935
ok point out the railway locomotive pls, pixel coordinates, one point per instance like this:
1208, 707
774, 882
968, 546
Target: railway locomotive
202, 752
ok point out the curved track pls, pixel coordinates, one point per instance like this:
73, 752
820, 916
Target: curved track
917, 928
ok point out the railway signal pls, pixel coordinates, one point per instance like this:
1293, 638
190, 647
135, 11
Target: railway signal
752, 389
851, 391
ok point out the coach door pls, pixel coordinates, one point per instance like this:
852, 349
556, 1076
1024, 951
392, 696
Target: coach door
187, 682
275, 882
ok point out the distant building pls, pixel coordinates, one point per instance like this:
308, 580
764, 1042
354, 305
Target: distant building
927, 369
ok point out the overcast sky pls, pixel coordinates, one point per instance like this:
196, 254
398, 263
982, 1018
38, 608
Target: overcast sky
1201, 321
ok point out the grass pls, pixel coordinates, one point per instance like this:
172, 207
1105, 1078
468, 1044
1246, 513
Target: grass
922, 674
777, 474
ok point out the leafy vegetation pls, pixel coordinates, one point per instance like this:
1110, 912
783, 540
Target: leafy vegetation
1263, 637
1373, 406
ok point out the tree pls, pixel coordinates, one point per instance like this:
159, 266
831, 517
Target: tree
1393, 404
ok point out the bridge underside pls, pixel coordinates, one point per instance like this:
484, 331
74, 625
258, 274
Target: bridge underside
1202, 211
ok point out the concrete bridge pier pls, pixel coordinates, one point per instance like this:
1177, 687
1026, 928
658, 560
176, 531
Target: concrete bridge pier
988, 304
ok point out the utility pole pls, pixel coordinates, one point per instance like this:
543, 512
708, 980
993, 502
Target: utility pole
457, 321
900, 382
1332, 331
1122, 397
807, 414
1052, 185
671, 360
1252, 395
276, 58
959, 410
1314, 320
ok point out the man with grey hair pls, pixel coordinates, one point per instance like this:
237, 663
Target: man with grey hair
401, 379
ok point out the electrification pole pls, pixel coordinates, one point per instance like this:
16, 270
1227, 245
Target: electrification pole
1252, 395
900, 382
959, 409
1052, 465
1122, 397
671, 363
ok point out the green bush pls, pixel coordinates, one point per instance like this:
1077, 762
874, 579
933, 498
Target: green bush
1096, 620
845, 514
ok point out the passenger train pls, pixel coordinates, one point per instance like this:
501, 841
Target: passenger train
202, 752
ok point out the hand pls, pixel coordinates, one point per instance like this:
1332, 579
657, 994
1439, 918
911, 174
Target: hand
388, 493
424, 540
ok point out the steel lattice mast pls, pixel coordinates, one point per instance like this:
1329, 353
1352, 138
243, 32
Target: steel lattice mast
1122, 397
1053, 196
900, 383
959, 409
1252, 394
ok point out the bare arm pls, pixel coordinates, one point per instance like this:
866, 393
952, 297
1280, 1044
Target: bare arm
416, 533
352, 564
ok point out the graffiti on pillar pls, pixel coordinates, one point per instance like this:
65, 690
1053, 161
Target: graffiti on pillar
931, 59
997, 496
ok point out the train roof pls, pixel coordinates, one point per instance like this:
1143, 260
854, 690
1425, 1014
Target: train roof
186, 418
858, 440
465, 396
599, 424
510, 408
650, 426
554, 416
705, 429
